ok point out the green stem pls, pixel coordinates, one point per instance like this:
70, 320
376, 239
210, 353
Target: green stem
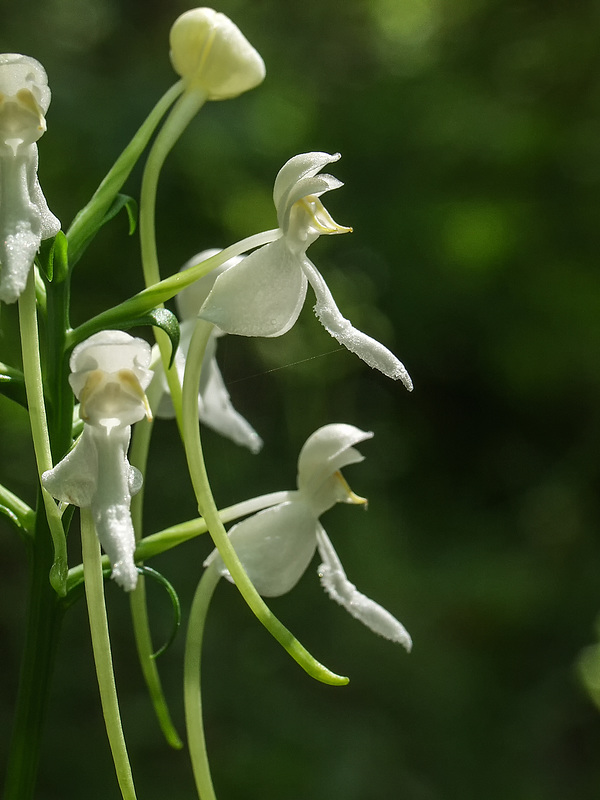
94, 590
91, 215
208, 509
181, 115
171, 537
44, 617
58, 389
12, 384
150, 298
34, 385
192, 690
138, 456
23, 515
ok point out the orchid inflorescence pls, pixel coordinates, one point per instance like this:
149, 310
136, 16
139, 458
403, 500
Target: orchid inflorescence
254, 288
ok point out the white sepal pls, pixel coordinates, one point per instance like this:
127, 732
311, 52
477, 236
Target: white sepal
261, 296
298, 168
96, 474
327, 451
215, 408
74, 479
275, 547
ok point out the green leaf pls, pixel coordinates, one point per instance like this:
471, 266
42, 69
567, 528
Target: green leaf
45, 257
7, 512
155, 575
59, 258
93, 215
131, 207
120, 201
167, 321
12, 384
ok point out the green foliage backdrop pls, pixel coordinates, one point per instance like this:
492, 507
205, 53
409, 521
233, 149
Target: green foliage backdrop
470, 135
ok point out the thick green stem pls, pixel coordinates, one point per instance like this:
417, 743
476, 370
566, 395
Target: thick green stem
44, 617
192, 690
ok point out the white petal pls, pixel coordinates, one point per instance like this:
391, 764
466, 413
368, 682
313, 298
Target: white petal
338, 587
109, 375
74, 479
216, 410
50, 224
326, 451
190, 299
314, 187
17, 252
301, 166
275, 547
370, 350
110, 351
261, 296
18, 73
20, 220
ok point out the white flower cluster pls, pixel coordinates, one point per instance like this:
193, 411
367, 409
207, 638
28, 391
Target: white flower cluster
260, 294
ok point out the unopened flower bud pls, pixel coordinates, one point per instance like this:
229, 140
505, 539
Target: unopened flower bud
211, 53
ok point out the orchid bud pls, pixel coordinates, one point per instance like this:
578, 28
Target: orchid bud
211, 53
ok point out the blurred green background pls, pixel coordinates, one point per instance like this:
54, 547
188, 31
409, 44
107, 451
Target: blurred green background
470, 135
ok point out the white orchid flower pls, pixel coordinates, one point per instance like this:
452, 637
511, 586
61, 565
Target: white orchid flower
25, 218
276, 545
109, 375
263, 295
215, 408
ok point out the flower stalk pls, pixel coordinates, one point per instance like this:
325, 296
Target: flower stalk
208, 510
94, 591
